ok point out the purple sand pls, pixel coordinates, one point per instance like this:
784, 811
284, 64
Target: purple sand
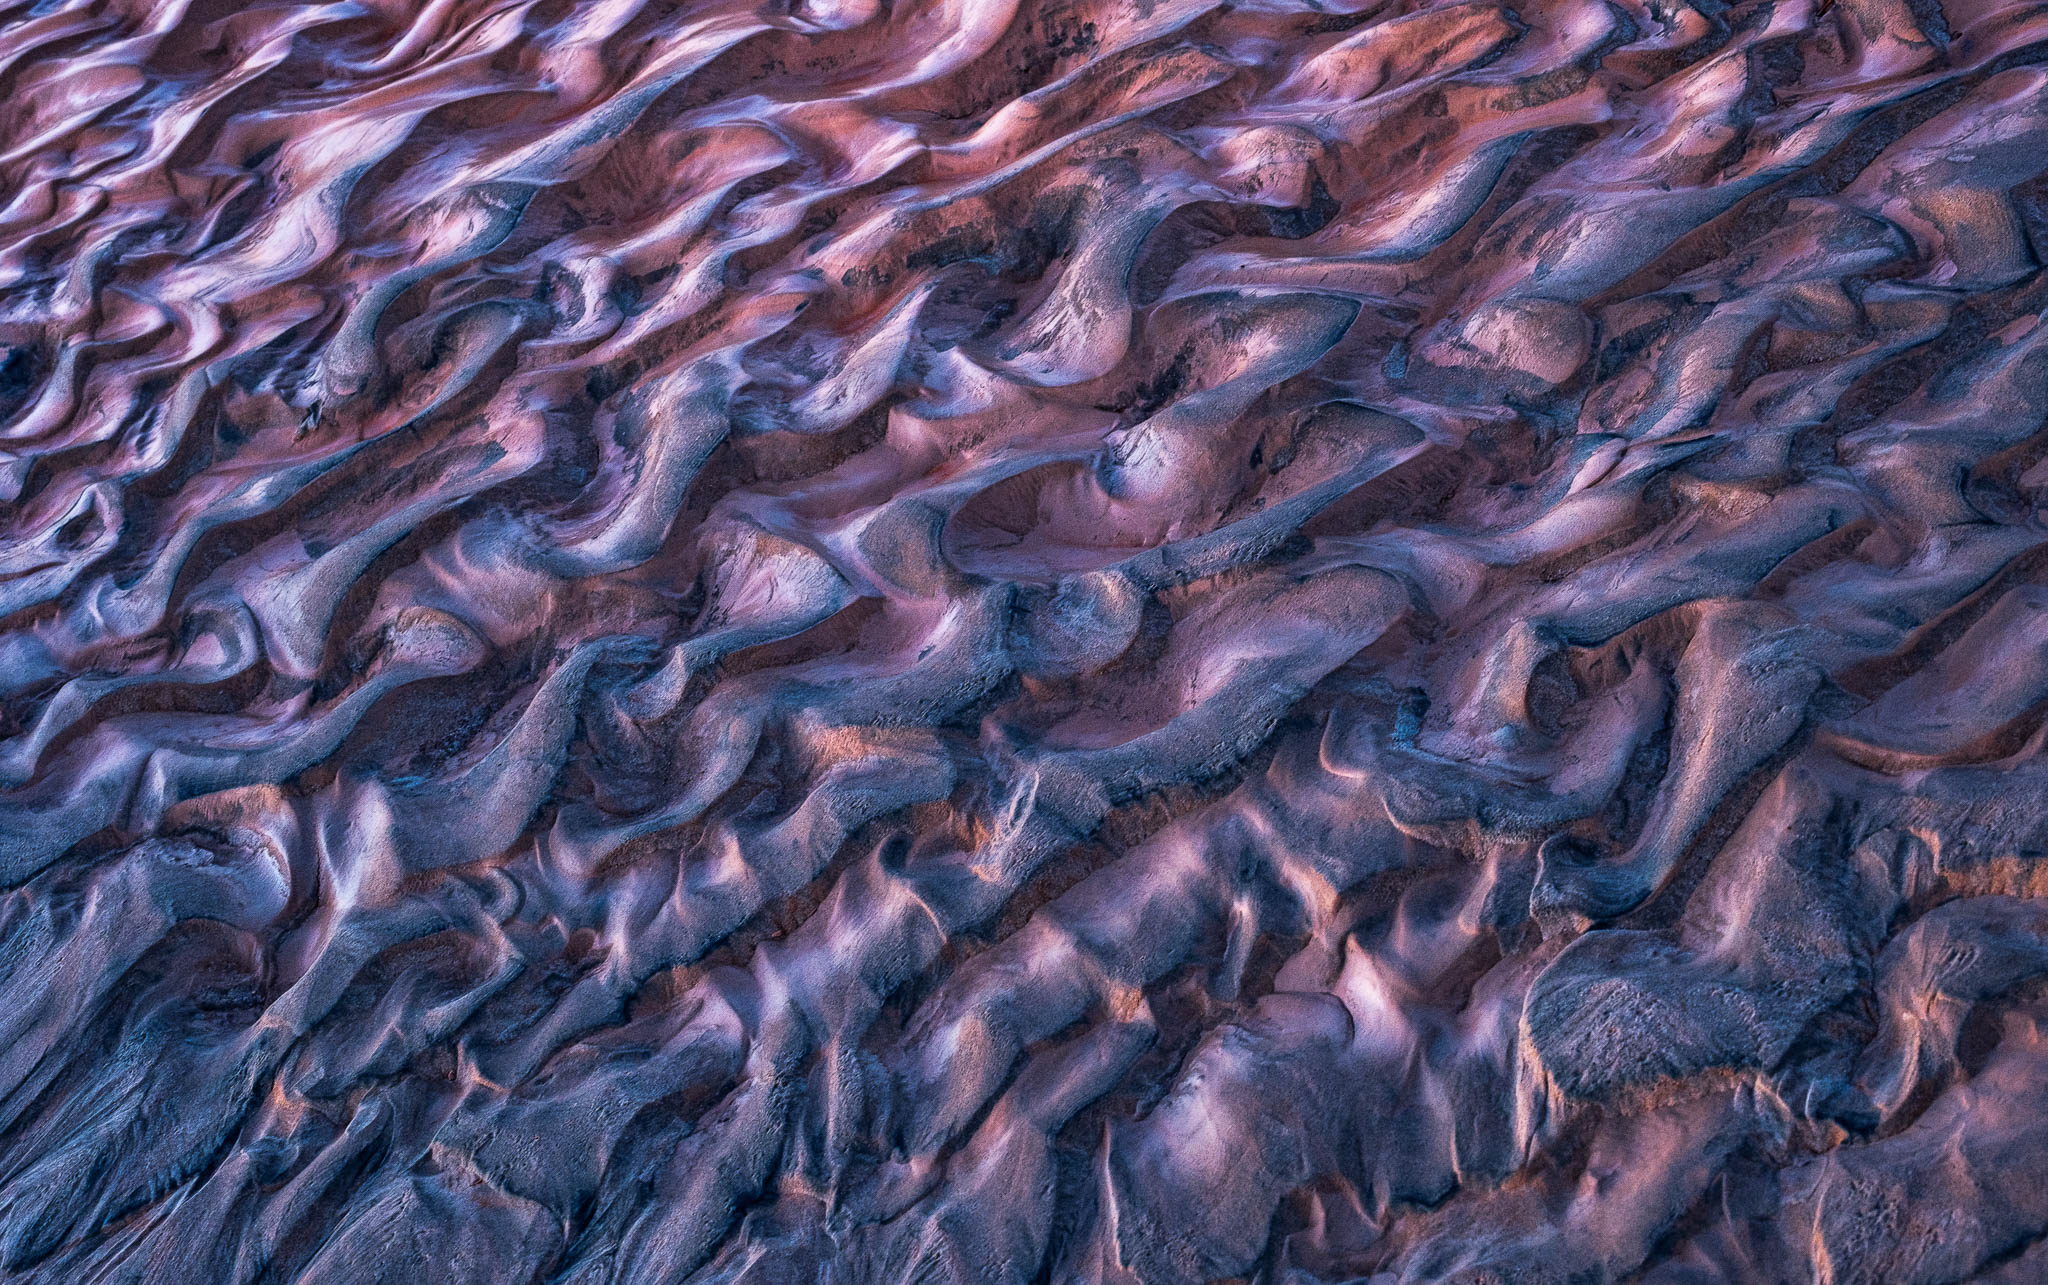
890, 642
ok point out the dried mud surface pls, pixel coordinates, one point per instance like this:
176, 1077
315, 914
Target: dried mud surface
1023, 640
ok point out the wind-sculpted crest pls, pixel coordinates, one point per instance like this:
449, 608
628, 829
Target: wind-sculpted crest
1128, 641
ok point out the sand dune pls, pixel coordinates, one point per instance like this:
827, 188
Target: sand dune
1023, 640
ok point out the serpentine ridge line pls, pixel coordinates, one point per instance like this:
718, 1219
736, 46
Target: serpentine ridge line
897, 642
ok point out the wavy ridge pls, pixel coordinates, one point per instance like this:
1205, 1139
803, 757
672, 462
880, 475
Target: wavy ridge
1023, 640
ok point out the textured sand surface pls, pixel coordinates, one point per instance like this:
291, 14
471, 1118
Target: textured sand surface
878, 641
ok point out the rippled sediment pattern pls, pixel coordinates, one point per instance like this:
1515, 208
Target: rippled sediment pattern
1058, 640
